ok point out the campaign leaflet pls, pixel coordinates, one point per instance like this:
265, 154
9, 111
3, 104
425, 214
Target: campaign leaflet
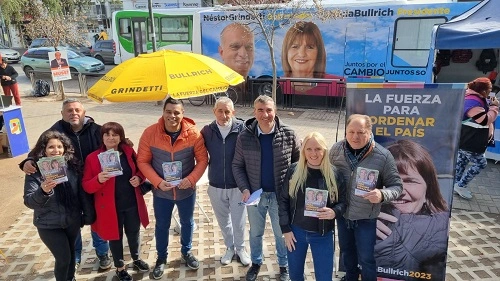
366, 180
53, 168
315, 199
110, 162
172, 172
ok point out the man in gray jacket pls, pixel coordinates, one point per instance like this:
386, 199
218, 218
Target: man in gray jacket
264, 151
357, 229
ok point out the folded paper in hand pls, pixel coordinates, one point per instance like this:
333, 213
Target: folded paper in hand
254, 199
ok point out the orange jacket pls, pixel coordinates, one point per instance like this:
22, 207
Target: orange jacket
155, 148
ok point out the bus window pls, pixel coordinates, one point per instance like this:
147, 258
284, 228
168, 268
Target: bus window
412, 41
175, 29
125, 30
157, 30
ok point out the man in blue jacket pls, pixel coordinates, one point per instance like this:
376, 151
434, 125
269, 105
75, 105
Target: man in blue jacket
220, 139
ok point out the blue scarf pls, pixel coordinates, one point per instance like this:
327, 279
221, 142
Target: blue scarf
352, 159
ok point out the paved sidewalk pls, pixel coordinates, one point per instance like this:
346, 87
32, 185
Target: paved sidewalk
474, 248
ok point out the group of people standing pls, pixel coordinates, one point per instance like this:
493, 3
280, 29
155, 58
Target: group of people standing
243, 157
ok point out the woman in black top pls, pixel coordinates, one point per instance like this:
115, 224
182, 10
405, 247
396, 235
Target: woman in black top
58, 208
305, 224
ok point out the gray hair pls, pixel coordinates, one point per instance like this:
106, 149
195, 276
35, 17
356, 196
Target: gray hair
264, 99
234, 26
71, 100
224, 100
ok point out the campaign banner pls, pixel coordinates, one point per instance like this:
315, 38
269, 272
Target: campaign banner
363, 43
16, 131
420, 125
59, 65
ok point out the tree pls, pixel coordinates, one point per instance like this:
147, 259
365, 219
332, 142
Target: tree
15, 11
59, 28
268, 16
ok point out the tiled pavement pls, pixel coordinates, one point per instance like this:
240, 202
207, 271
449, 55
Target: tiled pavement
474, 248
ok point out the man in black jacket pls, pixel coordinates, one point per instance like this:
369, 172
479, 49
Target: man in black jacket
264, 151
85, 135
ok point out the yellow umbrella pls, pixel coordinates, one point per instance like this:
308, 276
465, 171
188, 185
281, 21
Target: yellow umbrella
150, 77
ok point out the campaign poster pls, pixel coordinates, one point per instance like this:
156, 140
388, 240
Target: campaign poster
420, 125
59, 65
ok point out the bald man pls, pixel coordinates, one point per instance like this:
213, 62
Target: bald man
237, 48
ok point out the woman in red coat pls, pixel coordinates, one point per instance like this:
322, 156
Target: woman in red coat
118, 199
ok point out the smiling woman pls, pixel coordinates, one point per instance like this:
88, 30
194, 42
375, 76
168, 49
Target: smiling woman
412, 230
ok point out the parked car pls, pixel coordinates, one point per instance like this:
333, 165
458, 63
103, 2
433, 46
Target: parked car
45, 42
104, 50
12, 56
37, 60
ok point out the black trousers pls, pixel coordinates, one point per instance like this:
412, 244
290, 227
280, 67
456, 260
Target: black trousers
61, 243
128, 219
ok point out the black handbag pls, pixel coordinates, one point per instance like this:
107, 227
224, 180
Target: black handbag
146, 187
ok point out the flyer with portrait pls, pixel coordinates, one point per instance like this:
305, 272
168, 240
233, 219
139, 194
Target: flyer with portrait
172, 172
314, 200
53, 168
366, 180
110, 162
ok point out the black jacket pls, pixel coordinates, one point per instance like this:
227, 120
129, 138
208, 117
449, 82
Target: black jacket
8, 71
221, 151
287, 205
247, 156
49, 213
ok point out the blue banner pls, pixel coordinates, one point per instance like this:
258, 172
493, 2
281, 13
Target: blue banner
420, 125
16, 131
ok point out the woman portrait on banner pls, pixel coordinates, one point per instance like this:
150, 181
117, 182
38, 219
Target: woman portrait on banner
118, 199
412, 231
313, 170
59, 209
303, 55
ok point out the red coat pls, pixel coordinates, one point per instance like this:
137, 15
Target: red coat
106, 224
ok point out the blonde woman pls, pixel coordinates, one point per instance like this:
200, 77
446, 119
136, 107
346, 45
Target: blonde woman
301, 227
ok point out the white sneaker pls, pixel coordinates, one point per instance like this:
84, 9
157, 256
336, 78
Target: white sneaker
227, 257
462, 192
244, 257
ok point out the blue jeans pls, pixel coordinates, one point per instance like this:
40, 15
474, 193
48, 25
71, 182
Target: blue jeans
257, 219
357, 244
322, 253
101, 246
163, 215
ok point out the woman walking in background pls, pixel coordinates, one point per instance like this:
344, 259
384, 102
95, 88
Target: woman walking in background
477, 131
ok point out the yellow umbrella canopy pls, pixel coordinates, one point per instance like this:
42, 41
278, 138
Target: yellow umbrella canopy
151, 77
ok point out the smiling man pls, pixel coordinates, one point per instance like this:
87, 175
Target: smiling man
173, 138
357, 228
237, 48
85, 136
265, 149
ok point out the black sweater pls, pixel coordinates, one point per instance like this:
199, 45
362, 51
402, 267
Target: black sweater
8, 71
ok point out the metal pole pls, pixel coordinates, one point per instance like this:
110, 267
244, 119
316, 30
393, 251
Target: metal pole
152, 21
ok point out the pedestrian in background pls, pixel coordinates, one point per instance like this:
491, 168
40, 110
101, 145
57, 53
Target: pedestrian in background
59, 209
480, 113
9, 83
265, 149
220, 139
118, 199
313, 170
